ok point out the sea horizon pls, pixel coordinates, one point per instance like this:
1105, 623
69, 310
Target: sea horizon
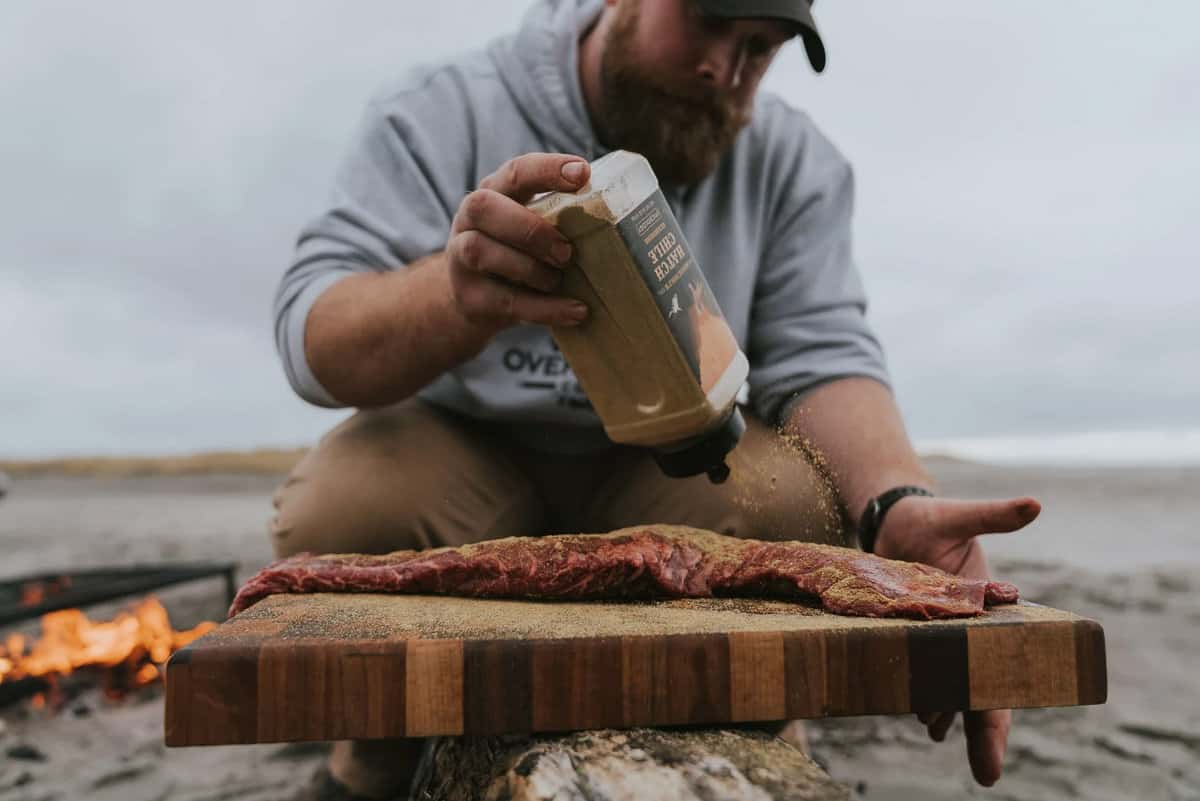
1150, 447
1157, 447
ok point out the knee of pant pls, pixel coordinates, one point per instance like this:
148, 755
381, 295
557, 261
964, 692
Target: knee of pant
328, 514
320, 518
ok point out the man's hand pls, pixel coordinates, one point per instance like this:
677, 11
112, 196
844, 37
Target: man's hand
505, 261
499, 268
943, 533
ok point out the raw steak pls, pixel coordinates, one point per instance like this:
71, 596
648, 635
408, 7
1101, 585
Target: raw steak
642, 563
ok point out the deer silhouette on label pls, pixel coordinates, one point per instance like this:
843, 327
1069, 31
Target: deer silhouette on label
711, 338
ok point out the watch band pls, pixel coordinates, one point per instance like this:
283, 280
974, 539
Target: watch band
872, 516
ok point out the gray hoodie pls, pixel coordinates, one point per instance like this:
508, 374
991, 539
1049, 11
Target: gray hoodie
770, 229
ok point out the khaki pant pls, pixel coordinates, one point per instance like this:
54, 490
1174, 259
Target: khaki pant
416, 476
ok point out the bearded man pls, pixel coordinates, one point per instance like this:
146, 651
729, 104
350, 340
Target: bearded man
422, 299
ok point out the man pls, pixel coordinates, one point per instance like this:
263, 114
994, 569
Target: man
423, 295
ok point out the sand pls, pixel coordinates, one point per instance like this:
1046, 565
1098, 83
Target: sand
1115, 545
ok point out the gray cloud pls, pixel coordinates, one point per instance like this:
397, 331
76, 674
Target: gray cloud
1025, 225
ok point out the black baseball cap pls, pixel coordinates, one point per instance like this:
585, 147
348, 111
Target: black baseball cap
797, 11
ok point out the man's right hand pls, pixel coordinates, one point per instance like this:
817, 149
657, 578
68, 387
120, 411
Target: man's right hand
501, 266
505, 261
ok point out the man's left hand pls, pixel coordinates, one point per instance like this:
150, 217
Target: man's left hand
943, 533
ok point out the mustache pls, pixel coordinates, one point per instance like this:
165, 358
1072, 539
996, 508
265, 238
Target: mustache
683, 127
688, 101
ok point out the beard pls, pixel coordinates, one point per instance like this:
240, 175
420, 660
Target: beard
683, 131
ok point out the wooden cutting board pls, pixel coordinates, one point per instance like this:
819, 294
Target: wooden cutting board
340, 666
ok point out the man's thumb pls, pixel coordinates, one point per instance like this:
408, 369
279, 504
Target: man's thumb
972, 518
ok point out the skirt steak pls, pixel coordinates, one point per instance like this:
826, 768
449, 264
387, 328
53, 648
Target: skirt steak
645, 562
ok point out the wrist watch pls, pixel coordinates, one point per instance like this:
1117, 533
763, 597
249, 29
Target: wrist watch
872, 516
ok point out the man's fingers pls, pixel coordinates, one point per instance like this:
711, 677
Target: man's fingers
481, 297
964, 519
498, 247
927, 718
941, 723
987, 740
552, 310
523, 177
503, 219
482, 254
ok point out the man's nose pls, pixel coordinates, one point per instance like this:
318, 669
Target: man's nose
722, 63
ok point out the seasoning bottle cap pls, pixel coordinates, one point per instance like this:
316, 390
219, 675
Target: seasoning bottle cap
705, 453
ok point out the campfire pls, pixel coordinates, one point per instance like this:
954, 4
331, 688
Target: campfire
124, 653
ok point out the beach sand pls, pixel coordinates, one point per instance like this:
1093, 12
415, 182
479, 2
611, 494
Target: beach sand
1117, 545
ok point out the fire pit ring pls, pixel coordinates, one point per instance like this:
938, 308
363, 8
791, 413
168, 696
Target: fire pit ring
26, 597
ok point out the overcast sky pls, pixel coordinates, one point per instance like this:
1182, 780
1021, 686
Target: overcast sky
1028, 218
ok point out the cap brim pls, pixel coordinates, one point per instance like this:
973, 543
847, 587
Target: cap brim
794, 11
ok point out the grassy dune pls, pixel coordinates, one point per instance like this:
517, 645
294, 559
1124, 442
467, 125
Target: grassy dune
265, 460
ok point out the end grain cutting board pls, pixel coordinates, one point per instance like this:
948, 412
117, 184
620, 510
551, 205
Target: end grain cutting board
333, 666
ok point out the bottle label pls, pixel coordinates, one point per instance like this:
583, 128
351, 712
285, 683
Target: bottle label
654, 238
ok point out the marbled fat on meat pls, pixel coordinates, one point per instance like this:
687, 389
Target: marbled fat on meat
645, 562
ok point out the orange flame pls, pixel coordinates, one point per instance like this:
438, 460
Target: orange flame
138, 641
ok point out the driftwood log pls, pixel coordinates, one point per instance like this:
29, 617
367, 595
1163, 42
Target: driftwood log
628, 765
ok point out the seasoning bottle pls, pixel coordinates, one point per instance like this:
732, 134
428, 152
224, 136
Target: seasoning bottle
655, 356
